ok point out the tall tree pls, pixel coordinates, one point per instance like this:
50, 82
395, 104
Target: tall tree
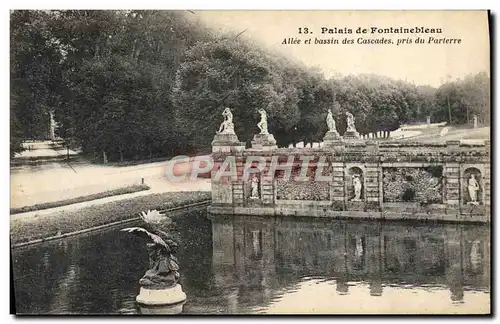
35, 75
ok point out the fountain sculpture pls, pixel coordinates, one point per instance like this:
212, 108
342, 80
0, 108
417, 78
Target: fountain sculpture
160, 284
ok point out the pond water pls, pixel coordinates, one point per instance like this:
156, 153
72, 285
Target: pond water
253, 265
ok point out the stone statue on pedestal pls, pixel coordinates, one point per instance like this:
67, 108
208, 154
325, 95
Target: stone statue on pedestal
331, 136
225, 139
263, 122
263, 140
227, 126
351, 127
159, 285
351, 132
330, 122
473, 188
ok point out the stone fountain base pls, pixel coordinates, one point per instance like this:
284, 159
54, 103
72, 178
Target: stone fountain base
162, 310
167, 296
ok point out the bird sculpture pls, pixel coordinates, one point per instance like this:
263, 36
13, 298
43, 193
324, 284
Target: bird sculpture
163, 269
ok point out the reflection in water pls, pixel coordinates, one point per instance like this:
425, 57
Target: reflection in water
268, 265
385, 260
475, 255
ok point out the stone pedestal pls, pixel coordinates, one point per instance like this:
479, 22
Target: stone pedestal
332, 136
158, 297
162, 310
351, 135
227, 142
332, 139
264, 142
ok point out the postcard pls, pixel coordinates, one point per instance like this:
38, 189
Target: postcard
250, 162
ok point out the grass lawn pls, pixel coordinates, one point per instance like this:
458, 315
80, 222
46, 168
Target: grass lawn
109, 193
26, 229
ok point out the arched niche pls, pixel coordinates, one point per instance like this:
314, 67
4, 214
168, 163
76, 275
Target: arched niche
472, 187
355, 176
254, 179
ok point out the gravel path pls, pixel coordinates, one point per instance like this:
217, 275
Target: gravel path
58, 180
199, 185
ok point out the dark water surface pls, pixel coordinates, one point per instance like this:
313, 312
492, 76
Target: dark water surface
268, 265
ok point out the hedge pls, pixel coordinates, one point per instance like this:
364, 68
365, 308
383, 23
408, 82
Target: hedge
65, 202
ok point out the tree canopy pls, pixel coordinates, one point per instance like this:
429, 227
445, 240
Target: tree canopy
133, 84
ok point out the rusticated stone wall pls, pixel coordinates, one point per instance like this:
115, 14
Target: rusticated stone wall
445, 197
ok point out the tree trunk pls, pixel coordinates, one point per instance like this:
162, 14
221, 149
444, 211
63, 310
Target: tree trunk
132, 54
104, 157
449, 108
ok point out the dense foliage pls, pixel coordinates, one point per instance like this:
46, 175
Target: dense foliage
413, 184
126, 85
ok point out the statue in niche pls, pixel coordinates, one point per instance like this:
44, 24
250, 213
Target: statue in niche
163, 265
227, 126
263, 122
351, 127
356, 182
330, 122
255, 188
473, 188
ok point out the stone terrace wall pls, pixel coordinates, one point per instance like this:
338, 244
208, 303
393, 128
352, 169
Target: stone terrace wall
445, 167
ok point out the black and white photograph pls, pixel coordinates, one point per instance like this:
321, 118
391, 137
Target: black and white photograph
250, 162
